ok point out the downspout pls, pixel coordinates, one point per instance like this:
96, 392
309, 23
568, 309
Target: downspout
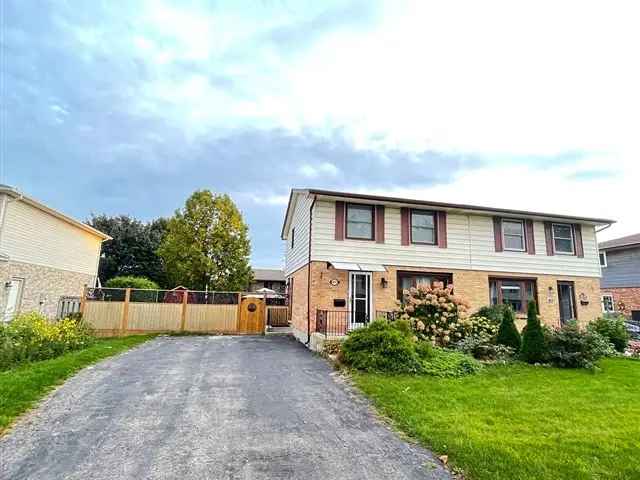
309, 274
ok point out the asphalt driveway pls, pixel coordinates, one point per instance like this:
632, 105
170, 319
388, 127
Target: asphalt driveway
209, 408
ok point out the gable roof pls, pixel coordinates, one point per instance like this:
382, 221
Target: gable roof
15, 193
268, 274
628, 241
459, 207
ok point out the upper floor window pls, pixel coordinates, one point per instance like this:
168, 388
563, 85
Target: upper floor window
360, 221
293, 237
603, 259
563, 238
513, 292
423, 227
513, 235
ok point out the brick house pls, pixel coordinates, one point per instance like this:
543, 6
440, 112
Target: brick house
620, 283
349, 256
271, 278
44, 255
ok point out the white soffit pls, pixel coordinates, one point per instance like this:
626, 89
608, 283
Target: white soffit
364, 267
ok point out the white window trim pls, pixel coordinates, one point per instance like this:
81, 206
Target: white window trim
613, 305
573, 239
524, 236
604, 256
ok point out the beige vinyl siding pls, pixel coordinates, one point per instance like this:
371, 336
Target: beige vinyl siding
470, 246
32, 236
298, 256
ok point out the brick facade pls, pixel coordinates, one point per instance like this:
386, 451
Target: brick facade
625, 299
42, 286
328, 284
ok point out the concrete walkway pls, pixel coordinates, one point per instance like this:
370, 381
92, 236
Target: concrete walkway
209, 408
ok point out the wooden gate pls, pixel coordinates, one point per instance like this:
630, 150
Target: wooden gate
252, 315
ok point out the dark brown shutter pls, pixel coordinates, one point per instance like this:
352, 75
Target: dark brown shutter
339, 220
548, 237
379, 223
405, 235
497, 233
441, 219
577, 233
531, 241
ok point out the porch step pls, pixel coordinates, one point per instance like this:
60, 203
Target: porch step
279, 330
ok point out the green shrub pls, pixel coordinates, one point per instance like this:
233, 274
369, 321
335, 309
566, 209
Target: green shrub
571, 347
129, 281
380, 347
30, 337
424, 350
508, 334
534, 349
449, 363
493, 312
482, 348
613, 328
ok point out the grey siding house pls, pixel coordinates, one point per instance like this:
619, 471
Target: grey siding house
620, 283
271, 278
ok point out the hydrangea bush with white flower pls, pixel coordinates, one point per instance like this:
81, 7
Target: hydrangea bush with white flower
441, 317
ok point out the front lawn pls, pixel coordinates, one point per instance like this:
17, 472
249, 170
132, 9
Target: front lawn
22, 386
522, 422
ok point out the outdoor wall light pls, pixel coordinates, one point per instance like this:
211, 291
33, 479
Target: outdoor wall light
384, 283
550, 295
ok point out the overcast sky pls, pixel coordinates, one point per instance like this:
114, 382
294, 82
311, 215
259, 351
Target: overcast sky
127, 107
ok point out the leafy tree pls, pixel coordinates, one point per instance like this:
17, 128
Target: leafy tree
534, 348
131, 282
508, 333
207, 244
132, 252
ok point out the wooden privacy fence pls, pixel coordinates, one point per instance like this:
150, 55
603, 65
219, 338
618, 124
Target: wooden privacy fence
125, 311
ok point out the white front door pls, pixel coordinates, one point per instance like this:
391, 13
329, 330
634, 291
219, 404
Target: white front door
13, 292
360, 299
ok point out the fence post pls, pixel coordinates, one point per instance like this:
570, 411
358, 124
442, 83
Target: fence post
83, 299
183, 317
125, 312
238, 312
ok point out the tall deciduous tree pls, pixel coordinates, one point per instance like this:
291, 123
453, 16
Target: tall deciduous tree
133, 250
207, 244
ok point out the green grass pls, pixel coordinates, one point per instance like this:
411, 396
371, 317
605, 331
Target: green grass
22, 386
522, 422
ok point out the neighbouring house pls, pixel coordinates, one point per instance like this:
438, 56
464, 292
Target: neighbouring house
44, 255
620, 283
349, 257
271, 278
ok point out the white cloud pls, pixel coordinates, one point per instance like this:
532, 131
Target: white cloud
313, 171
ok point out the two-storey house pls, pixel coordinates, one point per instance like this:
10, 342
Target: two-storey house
44, 255
349, 257
620, 262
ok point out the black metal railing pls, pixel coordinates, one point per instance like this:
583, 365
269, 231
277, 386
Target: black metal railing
390, 316
336, 323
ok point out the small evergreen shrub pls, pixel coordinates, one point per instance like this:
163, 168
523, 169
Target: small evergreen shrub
571, 347
450, 364
130, 281
614, 329
380, 347
534, 348
508, 334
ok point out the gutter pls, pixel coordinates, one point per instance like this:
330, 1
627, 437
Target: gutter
309, 274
